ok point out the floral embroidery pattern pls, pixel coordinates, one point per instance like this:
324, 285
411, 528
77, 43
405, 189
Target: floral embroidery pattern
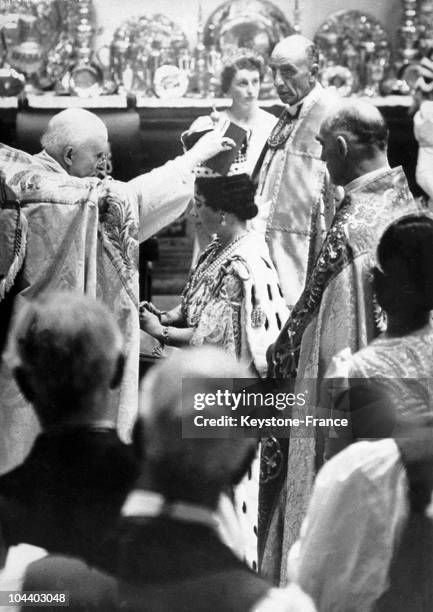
357, 226
26, 180
122, 231
335, 253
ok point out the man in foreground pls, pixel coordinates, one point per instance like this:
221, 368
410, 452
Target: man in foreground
169, 554
67, 356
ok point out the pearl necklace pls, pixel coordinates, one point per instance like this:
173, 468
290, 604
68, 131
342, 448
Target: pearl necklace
205, 271
204, 276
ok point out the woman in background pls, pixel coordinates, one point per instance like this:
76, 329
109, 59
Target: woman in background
241, 78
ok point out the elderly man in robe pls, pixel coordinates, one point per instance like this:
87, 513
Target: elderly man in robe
295, 196
62, 227
336, 309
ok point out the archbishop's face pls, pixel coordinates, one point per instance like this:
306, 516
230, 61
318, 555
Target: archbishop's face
89, 158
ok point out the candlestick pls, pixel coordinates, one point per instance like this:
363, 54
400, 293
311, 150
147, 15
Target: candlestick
408, 35
200, 62
297, 17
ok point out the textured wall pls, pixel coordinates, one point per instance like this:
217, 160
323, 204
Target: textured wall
110, 13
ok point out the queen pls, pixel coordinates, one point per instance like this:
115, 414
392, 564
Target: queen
232, 300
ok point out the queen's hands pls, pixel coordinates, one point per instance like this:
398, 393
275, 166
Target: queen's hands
151, 308
149, 320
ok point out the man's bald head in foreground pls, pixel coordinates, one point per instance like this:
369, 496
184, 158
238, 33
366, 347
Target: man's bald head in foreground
78, 140
354, 140
191, 469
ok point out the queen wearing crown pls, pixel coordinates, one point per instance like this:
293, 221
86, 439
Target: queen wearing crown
232, 298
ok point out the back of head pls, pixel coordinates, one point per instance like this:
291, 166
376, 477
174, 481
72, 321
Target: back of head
233, 194
74, 127
190, 469
404, 282
361, 124
65, 348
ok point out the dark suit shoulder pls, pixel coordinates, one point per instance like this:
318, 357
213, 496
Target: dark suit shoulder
87, 587
71, 488
225, 591
175, 565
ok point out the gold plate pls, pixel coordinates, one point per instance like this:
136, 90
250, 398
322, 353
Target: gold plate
256, 24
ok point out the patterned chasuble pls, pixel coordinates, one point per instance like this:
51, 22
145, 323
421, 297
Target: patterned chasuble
334, 311
72, 234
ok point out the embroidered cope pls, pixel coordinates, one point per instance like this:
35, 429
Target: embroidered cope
82, 234
334, 311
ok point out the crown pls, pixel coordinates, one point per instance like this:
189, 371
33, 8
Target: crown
237, 167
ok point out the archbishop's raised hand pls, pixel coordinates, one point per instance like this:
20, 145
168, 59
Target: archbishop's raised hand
210, 145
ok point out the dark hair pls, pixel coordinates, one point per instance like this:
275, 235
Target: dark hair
405, 256
248, 61
68, 345
233, 194
362, 121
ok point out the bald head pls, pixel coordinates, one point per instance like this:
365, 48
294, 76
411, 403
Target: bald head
354, 140
295, 48
77, 139
191, 469
359, 121
295, 64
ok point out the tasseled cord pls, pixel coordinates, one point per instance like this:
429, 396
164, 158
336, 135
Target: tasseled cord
20, 243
